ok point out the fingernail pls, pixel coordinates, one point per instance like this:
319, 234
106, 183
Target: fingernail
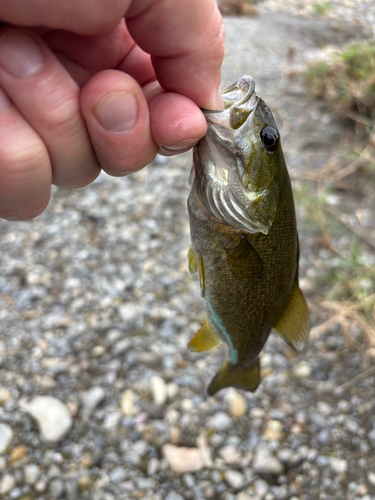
219, 101
4, 101
117, 113
178, 149
20, 55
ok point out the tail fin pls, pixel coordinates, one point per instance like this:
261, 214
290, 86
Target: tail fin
247, 378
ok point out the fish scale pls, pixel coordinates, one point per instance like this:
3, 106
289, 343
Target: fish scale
248, 264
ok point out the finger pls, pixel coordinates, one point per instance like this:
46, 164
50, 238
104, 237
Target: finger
48, 98
176, 123
116, 114
25, 170
86, 17
186, 42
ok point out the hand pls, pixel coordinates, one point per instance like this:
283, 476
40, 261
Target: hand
86, 91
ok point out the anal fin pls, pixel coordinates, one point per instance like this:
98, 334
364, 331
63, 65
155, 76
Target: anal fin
205, 339
294, 324
245, 378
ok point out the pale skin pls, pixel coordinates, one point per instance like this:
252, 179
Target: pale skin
100, 84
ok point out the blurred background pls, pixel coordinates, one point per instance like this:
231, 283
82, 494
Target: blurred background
99, 397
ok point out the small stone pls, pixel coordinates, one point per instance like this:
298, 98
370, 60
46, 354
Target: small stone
52, 416
172, 390
159, 390
371, 478
181, 459
230, 454
153, 466
237, 404
265, 463
117, 475
56, 488
5, 395
7, 483
302, 370
6, 436
91, 400
242, 495
40, 486
175, 435
173, 495
338, 465
235, 479
220, 422
18, 453
31, 473
261, 487
127, 405
273, 430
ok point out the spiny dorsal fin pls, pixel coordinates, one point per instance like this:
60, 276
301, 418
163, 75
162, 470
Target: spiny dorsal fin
228, 376
192, 264
294, 324
205, 338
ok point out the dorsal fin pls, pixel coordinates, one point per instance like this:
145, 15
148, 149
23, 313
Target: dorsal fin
294, 324
205, 338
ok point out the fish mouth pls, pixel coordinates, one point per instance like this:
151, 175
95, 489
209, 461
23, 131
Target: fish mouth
240, 101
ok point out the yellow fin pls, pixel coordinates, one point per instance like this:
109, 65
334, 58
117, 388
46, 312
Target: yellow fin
192, 264
246, 378
205, 338
294, 324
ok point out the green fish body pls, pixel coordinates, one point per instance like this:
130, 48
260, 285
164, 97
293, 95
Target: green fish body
244, 238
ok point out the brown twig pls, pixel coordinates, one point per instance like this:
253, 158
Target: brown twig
358, 378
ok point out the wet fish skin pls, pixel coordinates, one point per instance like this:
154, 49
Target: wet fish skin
244, 238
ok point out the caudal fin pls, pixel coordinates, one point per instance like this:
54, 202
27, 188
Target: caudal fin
247, 378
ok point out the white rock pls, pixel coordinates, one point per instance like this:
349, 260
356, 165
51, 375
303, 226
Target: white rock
31, 473
338, 465
237, 404
181, 459
173, 495
92, 398
242, 495
302, 370
5, 395
7, 483
220, 421
127, 405
234, 478
265, 463
230, 454
371, 478
153, 466
52, 416
159, 390
6, 436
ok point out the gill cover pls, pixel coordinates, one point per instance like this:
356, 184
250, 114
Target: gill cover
236, 178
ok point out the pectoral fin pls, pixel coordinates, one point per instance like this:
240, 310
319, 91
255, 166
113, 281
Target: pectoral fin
191, 260
228, 376
205, 338
245, 261
294, 324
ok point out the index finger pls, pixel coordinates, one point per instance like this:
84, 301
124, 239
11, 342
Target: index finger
186, 43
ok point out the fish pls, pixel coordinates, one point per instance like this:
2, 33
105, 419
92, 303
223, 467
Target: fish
244, 240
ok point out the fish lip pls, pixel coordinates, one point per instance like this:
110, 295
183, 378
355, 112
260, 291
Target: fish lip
239, 98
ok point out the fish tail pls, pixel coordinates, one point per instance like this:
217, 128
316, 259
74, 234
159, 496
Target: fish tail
242, 378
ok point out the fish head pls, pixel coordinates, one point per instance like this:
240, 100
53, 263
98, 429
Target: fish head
237, 164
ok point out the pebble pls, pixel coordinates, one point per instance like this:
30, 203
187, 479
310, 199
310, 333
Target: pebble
5, 395
234, 478
181, 459
371, 478
118, 474
127, 405
31, 473
56, 488
91, 400
242, 495
6, 436
159, 390
153, 466
302, 370
7, 483
221, 421
230, 454
173, 495
237, 404
338, 465
266, 463
273, 430
53, 417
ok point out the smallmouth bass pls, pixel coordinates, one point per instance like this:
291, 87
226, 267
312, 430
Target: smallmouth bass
244, 238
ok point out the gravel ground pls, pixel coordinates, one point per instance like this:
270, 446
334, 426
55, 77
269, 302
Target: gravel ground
99, 398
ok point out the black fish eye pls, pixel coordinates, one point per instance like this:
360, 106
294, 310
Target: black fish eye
270, 139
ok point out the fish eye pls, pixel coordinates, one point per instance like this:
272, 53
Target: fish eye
270, 139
